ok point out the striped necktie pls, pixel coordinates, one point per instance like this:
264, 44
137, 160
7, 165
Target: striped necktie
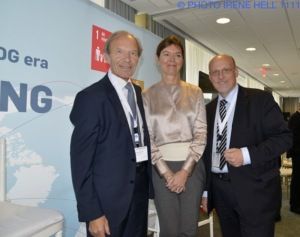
223, 138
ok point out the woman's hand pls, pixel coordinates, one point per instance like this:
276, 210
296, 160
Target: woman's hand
177, 183
168, 176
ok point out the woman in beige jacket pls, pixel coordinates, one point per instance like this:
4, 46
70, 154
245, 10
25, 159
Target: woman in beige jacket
176, 118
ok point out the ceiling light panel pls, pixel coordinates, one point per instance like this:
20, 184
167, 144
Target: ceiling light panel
250, 49
223, 20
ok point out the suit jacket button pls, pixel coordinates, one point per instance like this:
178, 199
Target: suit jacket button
133, 160
131, 181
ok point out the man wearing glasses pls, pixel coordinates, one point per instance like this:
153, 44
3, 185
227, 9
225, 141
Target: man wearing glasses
246, 134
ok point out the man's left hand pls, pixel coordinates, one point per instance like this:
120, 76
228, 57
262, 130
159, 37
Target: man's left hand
234, 157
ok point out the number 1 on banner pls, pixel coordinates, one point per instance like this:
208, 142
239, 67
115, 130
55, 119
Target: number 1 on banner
99, 37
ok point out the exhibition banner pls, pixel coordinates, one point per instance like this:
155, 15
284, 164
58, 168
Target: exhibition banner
50, 50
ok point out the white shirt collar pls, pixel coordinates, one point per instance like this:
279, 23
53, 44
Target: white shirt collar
117, 81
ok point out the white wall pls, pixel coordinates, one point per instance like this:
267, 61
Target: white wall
197, 59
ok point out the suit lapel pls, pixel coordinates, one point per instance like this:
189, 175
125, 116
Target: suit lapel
114, 99
139, 100
241, 116
142, 112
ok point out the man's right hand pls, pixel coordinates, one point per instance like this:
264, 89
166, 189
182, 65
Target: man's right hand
99, 227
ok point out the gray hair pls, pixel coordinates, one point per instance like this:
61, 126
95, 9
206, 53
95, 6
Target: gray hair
117, 35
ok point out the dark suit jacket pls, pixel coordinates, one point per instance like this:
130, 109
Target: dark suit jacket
102, 153
258, 124
294, 125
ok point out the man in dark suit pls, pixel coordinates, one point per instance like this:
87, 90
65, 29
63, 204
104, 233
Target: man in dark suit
246, 134
294, 125
110, 165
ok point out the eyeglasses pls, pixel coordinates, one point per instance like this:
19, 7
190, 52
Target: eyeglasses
225, 72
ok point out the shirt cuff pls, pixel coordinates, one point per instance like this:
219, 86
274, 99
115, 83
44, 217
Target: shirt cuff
189, 165
246, 156
204, 194
162, 167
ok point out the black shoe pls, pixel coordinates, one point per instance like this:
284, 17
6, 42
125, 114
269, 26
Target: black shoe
295, 210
